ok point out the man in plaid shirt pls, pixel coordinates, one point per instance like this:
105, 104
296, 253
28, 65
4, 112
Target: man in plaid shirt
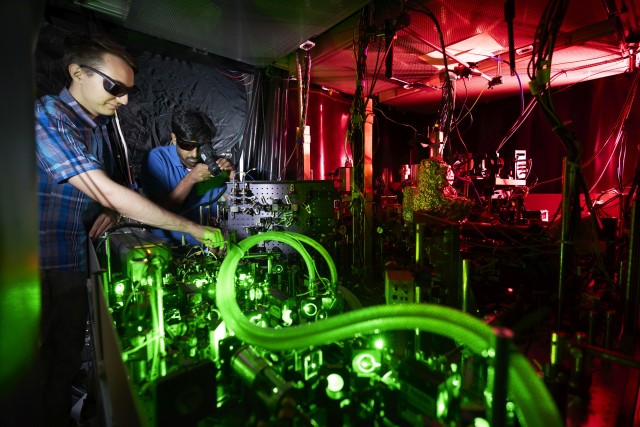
78, 201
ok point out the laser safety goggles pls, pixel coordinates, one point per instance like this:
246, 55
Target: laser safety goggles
188, 145
113, 87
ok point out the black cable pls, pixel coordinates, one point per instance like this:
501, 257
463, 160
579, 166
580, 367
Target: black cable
509, 16
446, 109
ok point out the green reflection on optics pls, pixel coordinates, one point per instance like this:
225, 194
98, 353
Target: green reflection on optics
365, 363
335, 386
335, 382
310, 309
119, 288
287, 316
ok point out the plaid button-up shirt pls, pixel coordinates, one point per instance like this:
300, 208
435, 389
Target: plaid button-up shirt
68, 143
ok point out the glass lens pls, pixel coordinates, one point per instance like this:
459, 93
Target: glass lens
111, 86
114, 88
187, 145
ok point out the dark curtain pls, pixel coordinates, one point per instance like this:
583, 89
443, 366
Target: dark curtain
327, 118
165, 84
265, 135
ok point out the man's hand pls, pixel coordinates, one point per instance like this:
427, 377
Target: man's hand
210, 237
104, 222
225, 165
199, 173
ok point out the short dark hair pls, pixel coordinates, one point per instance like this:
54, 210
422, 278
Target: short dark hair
193, 125
80, 48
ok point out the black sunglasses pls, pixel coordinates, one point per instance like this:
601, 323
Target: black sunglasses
187, 145
111, 86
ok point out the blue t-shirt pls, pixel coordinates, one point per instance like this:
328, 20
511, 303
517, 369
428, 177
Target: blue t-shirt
68, 143
161, 172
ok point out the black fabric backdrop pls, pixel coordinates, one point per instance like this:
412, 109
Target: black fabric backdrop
166, 84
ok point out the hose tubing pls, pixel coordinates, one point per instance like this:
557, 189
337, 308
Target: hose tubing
311, 242
525, 387
288, 238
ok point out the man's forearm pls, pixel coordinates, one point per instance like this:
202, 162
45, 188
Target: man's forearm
178, 195
97, 185
149, 213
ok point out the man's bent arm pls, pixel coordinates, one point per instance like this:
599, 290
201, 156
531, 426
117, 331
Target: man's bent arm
174, 199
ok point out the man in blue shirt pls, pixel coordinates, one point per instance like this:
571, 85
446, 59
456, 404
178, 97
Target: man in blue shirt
175, 177
78, 202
